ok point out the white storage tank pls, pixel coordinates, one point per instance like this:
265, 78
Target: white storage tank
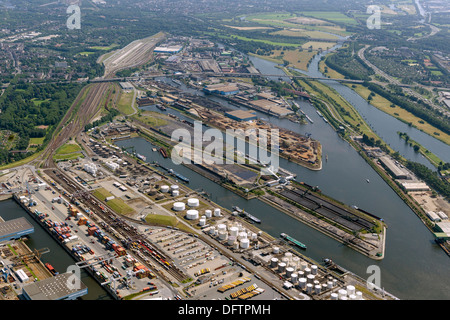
281, 266
208, 213
164, 188
296, 261
245, 243
236, 245
302, 283
350, 290
288, 255
309, 288
254, 236
359, 295
175, 193
202, 222
234, 231
317, 289
276, 250
223, 235
221, 227
303, 265
192, 214
289, 271
242, 235
211, 230
329, 284
307, 271
342, 293
217, 212
352, 297
334, 296
193, 202
294, 278
273, 262
231, 240
310, 278
314, 269
179, 206
174, 187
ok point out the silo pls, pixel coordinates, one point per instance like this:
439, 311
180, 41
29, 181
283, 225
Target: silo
164, 188
179, 206
193, 202
217, 212
192, 214
273, 262
208, 213
245, 243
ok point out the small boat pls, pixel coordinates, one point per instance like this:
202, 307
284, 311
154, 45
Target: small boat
154, 149
368, 181
163, 152
247, 215
140, 156
51, 269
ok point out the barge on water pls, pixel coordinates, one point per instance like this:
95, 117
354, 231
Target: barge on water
293, 241
246, 214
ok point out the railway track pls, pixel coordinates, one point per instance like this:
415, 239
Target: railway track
121, 226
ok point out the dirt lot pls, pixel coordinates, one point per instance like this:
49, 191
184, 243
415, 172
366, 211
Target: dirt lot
429, 203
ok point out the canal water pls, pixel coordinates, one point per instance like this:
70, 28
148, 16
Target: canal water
57, 257
414, 266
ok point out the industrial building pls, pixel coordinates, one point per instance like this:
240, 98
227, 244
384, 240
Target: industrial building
409, 185
222, 89
65, 286
241, 115
394, 169
14, 229
126, 86
168, 49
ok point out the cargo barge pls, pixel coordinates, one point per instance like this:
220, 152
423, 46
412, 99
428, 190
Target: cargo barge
246, 214
293, 241
163, 152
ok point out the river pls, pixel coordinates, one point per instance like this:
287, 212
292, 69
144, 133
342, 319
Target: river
414, 266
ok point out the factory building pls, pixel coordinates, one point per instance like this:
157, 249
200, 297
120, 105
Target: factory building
126, 86
222, 89
168, 49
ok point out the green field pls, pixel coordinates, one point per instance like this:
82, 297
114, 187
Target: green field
68, 148
37, 141
333, 16
100, 48
116, 204
69, 151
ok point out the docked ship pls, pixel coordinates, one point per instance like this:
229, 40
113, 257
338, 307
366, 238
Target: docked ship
247, 215
293, 241
163, 152
51, 269
140, 156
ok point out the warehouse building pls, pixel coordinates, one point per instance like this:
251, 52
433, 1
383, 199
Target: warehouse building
14, 229
65, 286
396, 171
222, 89
241, 115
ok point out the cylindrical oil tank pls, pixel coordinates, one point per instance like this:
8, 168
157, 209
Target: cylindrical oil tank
285, 260
202, 222
310, 278
289, 271
174, 187
242, 235
302, 283
281, 267
296, 261
275, 250
164, 188
309, 288
179, 206
359, 295
334, 296
288, 255
307, 271
294, 278
211, 231
208, 213
317, 289
193, 202
234, 231
273, 262
223, 235
175, 193
245, 243
313, 269
192, 214
254, 236
350, 290
231, 240
329, 284
217, 212
236, 245
303, 265
343, 298
342, 293
301, 274
221, 227
352, 297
